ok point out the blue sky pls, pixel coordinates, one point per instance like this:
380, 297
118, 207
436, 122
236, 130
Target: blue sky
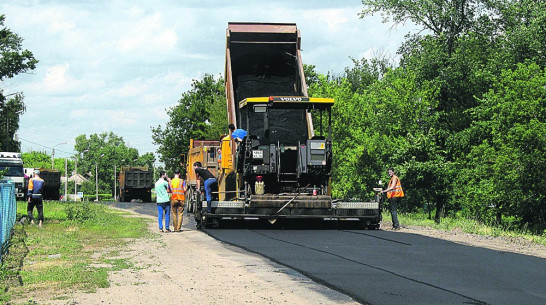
118, 65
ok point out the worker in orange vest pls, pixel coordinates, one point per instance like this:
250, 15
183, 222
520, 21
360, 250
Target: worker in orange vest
394, 193
178, 189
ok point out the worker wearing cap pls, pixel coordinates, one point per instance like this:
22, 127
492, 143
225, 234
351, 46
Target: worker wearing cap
35, 188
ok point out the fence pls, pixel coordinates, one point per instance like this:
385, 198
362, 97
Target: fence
8, 211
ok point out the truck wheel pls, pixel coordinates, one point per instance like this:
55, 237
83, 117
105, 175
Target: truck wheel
198, 219
189, 202
205, 221
215, 223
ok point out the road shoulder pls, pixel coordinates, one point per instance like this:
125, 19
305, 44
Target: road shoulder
193, 268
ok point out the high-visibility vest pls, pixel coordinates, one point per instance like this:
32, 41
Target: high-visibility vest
177, 188
397, 191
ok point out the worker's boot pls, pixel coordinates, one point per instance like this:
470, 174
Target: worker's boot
209, 206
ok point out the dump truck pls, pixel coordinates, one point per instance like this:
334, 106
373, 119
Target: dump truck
135, 183
282, 168
206, 152
11, 165
52, 183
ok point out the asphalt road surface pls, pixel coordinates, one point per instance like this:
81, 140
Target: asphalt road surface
389, 267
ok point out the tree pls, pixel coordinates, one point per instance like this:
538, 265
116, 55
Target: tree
445, 19
200, 114
505, 176
311, 76
446, 55
38, 159
13, 60
366, 72
522, 33
102, 152
9, 118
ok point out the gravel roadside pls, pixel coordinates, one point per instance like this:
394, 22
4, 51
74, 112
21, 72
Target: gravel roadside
193, 268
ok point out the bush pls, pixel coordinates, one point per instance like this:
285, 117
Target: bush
80, 212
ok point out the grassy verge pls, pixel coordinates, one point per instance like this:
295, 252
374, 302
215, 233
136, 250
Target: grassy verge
466, 225
74, 250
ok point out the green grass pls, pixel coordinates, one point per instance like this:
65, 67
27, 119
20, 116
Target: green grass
62, 255
466, 225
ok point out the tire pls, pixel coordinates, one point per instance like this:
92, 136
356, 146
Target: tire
206, 223
189, 202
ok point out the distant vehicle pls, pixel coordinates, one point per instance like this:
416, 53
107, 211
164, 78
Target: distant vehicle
12, 166
52, 182
135, 183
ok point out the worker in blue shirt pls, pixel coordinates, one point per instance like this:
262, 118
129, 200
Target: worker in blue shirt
237, 134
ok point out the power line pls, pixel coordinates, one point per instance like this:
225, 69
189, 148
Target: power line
58, 150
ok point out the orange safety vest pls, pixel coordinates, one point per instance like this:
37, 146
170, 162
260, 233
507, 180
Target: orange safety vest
177, 187
397, 191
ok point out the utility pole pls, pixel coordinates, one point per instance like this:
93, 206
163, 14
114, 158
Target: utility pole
53, 153
115, 185
65, 178
76, 177
96, 182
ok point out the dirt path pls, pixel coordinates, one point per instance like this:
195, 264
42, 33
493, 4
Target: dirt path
193, 268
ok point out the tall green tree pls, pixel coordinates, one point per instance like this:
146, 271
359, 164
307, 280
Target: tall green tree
445, 55
13, 60
200, 114
103, 153
505, 172
10, 112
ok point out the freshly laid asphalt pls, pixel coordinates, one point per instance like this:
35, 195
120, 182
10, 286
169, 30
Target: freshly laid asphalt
390, 267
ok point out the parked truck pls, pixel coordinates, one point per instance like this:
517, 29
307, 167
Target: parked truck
282, 168
11, 165
135, 183
52, 183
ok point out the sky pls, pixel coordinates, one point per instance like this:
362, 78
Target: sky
117, 66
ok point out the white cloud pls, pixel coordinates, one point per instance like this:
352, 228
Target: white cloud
147, 35
77, 114
58, 80
55, 78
